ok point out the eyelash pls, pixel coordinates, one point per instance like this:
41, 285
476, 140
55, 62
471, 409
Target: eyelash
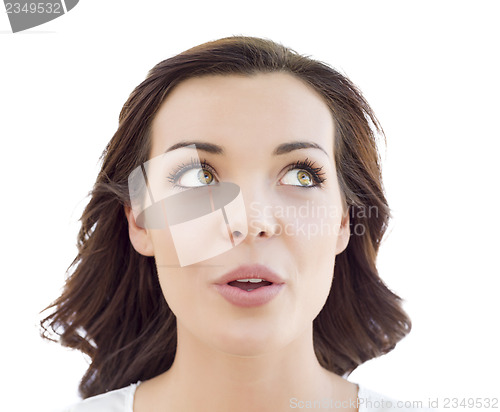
307, 165
194, 163
316, 173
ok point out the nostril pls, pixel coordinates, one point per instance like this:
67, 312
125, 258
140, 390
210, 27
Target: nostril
237, 233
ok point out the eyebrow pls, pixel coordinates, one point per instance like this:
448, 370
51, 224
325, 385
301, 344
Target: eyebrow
290, 147
206, 147
283, 148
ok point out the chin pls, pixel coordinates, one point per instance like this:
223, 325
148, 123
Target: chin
249, 340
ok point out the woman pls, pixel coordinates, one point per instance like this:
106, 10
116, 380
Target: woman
227, 255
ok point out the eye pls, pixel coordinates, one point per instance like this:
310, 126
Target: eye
303, 174
195, 177
297, 177
193, 174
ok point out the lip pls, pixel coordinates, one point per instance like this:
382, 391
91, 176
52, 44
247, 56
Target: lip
250, 272
256, 297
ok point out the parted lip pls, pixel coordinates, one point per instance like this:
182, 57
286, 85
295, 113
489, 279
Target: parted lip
250, 272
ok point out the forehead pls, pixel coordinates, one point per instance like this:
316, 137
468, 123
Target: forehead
264, 109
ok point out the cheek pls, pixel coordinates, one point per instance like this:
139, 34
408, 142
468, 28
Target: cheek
184, 291
312, 243
315, 259
164, 249
177, 283
312, 233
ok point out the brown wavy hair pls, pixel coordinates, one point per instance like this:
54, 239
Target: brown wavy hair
112, 307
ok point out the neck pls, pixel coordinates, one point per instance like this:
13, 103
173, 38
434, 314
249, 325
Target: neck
204, 378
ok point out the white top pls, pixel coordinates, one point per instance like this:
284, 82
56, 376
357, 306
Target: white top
122, 400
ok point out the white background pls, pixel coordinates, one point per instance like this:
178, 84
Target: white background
430, 70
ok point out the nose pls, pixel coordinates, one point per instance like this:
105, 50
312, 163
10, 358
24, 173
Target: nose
258, 221
259, 229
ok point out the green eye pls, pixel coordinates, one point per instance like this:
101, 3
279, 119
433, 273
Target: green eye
205, 177
193, 174
195, 177
304, 178
298, 177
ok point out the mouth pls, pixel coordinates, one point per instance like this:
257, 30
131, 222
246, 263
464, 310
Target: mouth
250, 275
249, 285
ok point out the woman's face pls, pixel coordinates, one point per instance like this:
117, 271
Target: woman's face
292, 205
